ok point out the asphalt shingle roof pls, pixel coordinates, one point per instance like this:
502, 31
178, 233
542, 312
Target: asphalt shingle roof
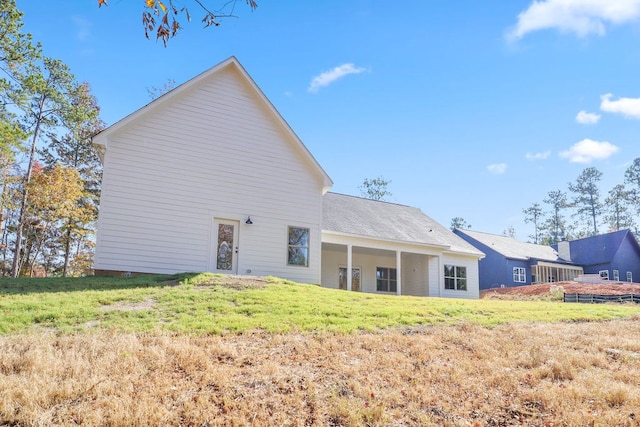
600, 249
387, 221
512, 248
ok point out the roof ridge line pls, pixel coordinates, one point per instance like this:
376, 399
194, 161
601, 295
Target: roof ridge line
372, 200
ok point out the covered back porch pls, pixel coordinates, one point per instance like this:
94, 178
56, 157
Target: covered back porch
380, 268
546, 272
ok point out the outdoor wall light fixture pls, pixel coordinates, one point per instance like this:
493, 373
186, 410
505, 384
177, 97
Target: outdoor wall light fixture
248, 221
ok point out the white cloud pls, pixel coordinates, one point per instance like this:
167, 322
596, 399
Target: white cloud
629, 107
83, 27
587, 118
588, 150
497, 168
582, 17
328, 77
538, 156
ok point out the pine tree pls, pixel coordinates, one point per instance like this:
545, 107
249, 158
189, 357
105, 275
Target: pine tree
555, 223
48, 86
534, 214
74, 150
618, 214
586, 198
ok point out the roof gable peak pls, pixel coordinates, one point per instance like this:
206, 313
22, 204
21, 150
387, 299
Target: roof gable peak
100, 140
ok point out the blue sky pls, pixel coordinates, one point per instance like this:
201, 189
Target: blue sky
471, 108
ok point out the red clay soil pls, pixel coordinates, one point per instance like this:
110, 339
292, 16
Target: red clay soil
616, 288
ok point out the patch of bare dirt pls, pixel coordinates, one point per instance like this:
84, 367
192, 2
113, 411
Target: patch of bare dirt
147, 304
617, 288
238, 282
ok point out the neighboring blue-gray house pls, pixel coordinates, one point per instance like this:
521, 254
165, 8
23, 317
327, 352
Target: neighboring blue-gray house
614, 256
509, 262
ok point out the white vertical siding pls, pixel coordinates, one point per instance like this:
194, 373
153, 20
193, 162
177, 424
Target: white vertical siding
213, 152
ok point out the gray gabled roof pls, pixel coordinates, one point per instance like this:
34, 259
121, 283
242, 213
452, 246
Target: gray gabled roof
388, 221
512, 248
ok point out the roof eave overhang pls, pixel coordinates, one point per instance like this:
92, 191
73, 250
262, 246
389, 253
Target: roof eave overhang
557, 264
100, 145
360, 237
478, 255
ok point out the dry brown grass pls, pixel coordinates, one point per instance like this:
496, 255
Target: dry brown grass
580, 374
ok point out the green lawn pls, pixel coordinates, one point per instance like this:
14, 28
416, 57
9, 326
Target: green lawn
206, 304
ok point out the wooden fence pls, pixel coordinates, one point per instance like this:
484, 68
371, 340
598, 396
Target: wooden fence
599, 298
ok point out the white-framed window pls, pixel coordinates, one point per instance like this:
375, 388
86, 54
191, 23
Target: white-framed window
616, 275
629, 277
298, 245
604, 274
519, 275
455, 277
386, 279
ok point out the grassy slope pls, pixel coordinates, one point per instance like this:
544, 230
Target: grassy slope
130, 367
205, 304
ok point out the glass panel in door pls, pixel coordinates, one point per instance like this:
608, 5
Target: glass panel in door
226, 249
355, 278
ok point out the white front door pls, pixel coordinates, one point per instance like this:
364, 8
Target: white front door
225, 252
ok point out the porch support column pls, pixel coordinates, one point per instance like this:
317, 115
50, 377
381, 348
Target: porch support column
399, 272
349, 267
440, 276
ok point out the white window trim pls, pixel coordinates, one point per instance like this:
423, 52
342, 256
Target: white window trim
604, 274
519, 275
616, 275
629, 277
456, 278
388, 281
288, 246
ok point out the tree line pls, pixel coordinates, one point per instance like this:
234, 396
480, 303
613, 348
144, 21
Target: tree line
582, 211
49, 173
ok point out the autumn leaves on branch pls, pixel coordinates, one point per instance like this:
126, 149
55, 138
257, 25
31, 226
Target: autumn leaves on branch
163, 17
